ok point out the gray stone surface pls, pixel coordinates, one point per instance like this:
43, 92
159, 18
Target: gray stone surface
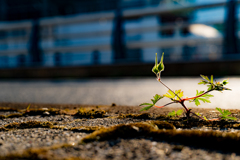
123, 91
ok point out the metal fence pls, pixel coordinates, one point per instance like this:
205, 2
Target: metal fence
123, 35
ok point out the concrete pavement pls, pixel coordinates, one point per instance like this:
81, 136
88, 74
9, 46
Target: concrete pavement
125, 91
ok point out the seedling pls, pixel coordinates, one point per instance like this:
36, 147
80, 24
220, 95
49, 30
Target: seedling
177, 95
175, 113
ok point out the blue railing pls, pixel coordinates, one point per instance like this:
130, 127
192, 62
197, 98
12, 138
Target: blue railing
96, 38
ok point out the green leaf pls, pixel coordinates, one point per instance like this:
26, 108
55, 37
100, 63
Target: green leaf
205, 118
205, 77
147, 108
170, 94
156, 60
162, 58
219, 110
155, 70
150, 105
158, 67
210, 87
161, 65
145, 104
197, 103
213, 85
180, 94
179, 112
156, 98
204, 98
205, 95
203, 82
198, 114
198, 93
225, 113
172, 114
225, 82
211, 78
231, 118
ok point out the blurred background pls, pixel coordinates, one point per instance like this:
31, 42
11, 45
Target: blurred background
49, 39
120, 37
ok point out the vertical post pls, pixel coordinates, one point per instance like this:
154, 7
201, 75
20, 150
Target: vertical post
21, 60
230, 38
58, 59
96, 57
118, 36
34, 49
44, 8
3, 10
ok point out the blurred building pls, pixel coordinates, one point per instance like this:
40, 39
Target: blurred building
73, 32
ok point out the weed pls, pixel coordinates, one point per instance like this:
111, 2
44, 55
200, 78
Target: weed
177, 96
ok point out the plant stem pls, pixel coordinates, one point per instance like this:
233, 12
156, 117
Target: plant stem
198, 116
186, 99
182, 103
170, 89
165, 105
215, 119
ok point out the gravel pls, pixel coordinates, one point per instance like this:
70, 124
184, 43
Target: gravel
139, 149
19, 140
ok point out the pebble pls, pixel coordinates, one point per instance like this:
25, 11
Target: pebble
21, 139
46, 113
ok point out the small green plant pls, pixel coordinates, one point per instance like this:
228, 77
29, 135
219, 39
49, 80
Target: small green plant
177, 95
224, 114
175, 113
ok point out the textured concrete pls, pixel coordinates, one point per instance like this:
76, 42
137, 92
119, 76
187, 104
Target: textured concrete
126, 91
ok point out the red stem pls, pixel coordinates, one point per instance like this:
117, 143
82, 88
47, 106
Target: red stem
216, 119
182, 103
186, 99
164, 105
